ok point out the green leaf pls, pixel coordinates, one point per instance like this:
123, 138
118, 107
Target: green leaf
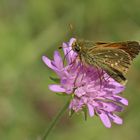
71, 112
85, 113
61, 94
56, 80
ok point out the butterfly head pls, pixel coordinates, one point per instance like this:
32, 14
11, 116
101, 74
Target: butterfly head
76, 47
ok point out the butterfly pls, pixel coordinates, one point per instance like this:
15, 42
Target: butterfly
114, 58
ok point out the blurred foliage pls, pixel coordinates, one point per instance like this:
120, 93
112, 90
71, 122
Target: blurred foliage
30, 29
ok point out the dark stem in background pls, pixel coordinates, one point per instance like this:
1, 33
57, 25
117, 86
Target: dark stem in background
55, 120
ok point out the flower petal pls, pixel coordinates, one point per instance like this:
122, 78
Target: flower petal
121, 99
76, 105
118, 99
47, 61
70, 55
80, 92
71, 41
104, 118
58, 60
66, 48
111, 107
116, 119
90, 110
117, 87
56, 88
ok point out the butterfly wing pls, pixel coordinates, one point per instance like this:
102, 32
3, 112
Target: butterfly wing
130, 47
114, 58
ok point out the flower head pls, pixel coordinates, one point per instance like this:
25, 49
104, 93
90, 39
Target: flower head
88, 90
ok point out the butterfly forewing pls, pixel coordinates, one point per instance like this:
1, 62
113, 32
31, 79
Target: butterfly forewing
130, 47
113, 58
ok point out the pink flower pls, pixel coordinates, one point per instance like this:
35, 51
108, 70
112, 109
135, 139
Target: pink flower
88, 90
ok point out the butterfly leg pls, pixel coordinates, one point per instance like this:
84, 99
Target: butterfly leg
105, 79
79, 68
100, 75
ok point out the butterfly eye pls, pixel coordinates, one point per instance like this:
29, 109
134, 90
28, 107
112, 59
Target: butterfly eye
77, 48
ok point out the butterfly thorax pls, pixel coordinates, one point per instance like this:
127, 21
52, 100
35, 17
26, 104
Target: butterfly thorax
81, 47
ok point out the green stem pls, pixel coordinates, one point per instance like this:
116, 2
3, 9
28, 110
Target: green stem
56, 119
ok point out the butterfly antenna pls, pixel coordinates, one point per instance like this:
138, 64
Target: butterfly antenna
72, 31
71, 28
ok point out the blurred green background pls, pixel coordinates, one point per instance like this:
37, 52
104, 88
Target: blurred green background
30, 29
